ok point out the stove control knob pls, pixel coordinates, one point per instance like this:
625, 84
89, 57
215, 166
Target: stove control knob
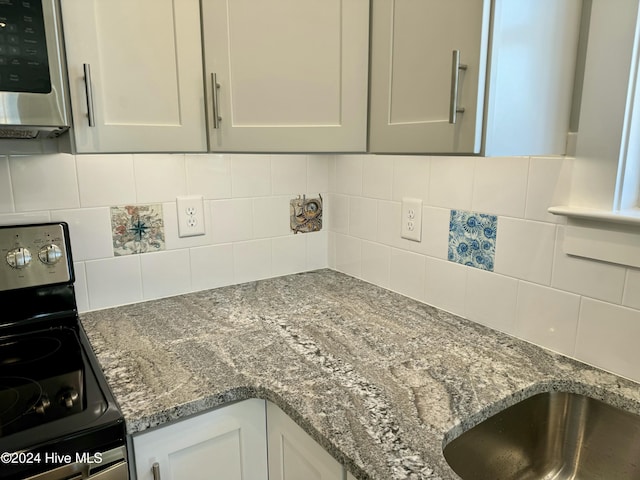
41, 406
50, 254
19, 257
68, 398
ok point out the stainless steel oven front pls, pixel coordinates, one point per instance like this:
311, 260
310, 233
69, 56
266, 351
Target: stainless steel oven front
58, 417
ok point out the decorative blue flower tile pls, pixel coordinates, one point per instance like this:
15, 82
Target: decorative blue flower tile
472, 239
137, 229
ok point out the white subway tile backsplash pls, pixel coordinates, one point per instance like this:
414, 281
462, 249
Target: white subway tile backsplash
90, 229
348, 255
288, 174
491, 299
525, 249
208, 175
44, 182
271, 217
331, 251
231, 220
549, 184
500, 186
318, 174
377, 177
337, 210
435, 231
114, 281
451, 182
159, 177
24, 218
604, 281
106, 180
317, 249
250, 176
547, 317
445, 284
376, 263
631, 295
6, 193
211, 266
165, 273
608, 337
389, 222
363, 218
252, 260
407, 273
289, 254
80, 287
348, 174
410, 177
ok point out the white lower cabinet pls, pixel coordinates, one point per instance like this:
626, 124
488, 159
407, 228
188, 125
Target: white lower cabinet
293, 454
231, 443
228, 443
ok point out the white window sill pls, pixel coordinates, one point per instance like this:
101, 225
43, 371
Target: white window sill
605, 235
630, 216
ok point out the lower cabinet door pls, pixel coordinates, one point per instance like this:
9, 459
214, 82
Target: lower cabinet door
224, 444
293, 454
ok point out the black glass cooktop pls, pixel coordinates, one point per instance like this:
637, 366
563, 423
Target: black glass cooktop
42, 379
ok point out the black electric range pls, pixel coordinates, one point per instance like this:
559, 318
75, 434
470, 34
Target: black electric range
58, 418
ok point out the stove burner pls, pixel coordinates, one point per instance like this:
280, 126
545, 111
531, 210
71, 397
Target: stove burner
18, 397
27, 350
8, 399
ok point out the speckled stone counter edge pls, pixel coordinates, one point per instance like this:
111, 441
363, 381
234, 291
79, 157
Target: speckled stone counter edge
222, 399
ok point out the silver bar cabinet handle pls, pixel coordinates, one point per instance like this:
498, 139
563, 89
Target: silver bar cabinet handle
215, 86
89, 93
456, 66
155, 469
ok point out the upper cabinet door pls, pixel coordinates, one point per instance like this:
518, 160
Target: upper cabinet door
146, 84
415, 79
472, 76
291, 75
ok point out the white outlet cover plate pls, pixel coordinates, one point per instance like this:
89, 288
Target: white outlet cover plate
411, 227
190, 215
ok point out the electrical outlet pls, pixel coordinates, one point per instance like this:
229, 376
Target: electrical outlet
190, 215
411, 228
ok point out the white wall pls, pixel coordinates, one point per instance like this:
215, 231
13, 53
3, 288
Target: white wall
582, 308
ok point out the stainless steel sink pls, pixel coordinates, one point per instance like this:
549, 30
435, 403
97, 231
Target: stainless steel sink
550, 436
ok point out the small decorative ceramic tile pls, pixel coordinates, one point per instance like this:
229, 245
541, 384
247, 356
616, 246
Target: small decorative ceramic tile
472, 239
306, 214
137, 229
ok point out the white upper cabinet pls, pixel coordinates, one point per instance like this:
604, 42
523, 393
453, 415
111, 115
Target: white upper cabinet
472, 76
144, 59
292, 74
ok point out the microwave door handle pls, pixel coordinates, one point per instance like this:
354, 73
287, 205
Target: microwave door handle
89, 93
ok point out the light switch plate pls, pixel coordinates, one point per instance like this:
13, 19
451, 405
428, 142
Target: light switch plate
411, 227
190, 215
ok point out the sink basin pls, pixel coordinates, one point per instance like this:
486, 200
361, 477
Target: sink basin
550, 436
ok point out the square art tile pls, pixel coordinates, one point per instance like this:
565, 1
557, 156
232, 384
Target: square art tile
472, 239
305, 214
137, 229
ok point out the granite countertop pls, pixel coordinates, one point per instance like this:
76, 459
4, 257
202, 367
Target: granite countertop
379, 380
